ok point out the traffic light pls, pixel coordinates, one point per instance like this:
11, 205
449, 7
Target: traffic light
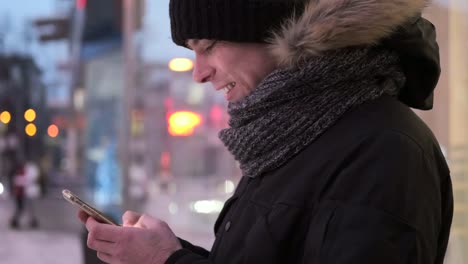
183, 123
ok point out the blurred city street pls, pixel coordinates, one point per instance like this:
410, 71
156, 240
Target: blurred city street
96, 98
57, 240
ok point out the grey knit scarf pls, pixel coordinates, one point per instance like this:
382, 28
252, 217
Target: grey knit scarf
291, 107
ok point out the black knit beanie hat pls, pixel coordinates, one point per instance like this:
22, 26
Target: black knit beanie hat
255, 20
229, 20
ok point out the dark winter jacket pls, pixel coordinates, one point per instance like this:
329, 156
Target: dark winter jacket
374, 189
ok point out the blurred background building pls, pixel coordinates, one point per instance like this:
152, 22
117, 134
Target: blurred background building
96, 96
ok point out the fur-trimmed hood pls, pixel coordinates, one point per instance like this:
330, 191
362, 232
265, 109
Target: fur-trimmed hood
333, 24
394, 24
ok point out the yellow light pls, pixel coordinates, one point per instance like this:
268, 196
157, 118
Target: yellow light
183, 123
52, 131
180, 64
30, 130
5, 117
30, 115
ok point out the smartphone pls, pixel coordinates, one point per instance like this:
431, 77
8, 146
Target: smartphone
91, 211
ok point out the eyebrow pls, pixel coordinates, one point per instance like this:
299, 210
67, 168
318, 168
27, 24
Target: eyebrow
192, 42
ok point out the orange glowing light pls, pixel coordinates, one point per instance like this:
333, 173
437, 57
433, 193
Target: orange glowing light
30, 129
183, 123
5, 117
30, 115
52, 131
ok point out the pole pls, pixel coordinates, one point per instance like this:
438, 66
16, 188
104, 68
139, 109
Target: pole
75, 55
128, 95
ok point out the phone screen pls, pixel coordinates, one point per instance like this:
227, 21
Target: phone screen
91, 211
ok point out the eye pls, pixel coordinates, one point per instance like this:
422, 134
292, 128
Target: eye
211, 46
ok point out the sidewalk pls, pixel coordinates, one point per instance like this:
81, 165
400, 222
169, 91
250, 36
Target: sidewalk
55, 242
39, 247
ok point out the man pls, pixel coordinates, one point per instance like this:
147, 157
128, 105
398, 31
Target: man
336, 167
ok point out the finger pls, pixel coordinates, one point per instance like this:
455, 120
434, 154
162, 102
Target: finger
101, 231
130, 218
100, 245
148, 222
82, 216
104, 257
143, 221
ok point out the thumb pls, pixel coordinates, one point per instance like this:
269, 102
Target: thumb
130, 218
83, 216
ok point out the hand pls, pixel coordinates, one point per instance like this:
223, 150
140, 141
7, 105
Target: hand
141, 239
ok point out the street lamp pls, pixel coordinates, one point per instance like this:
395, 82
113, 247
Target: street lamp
30, 115
30, 129
5, 117
181, 65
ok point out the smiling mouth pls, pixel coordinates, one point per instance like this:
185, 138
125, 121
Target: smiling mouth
228, 87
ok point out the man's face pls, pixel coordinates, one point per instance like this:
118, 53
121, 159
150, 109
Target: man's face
234, 69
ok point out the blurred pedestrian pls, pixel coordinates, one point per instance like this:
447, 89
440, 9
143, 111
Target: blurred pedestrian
10, 153
336, 167
26, 191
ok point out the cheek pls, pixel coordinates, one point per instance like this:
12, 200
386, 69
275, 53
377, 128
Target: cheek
255, 72
249, 87
251, 79
247, 71
244, 82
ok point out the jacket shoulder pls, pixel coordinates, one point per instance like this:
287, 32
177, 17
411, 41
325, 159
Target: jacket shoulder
387, 116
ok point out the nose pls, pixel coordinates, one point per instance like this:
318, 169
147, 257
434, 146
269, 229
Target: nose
202, 71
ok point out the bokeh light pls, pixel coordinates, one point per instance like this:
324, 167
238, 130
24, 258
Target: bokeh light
5, 117
30, 115
207, 206
30, 130
52, 131
181, 64
183, 123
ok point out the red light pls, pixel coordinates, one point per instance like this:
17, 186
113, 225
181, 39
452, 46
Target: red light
168, 103
165, 161
216, 116
60, 121
80, 4
53, 131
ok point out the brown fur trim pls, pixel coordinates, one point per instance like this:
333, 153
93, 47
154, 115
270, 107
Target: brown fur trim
334, 24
